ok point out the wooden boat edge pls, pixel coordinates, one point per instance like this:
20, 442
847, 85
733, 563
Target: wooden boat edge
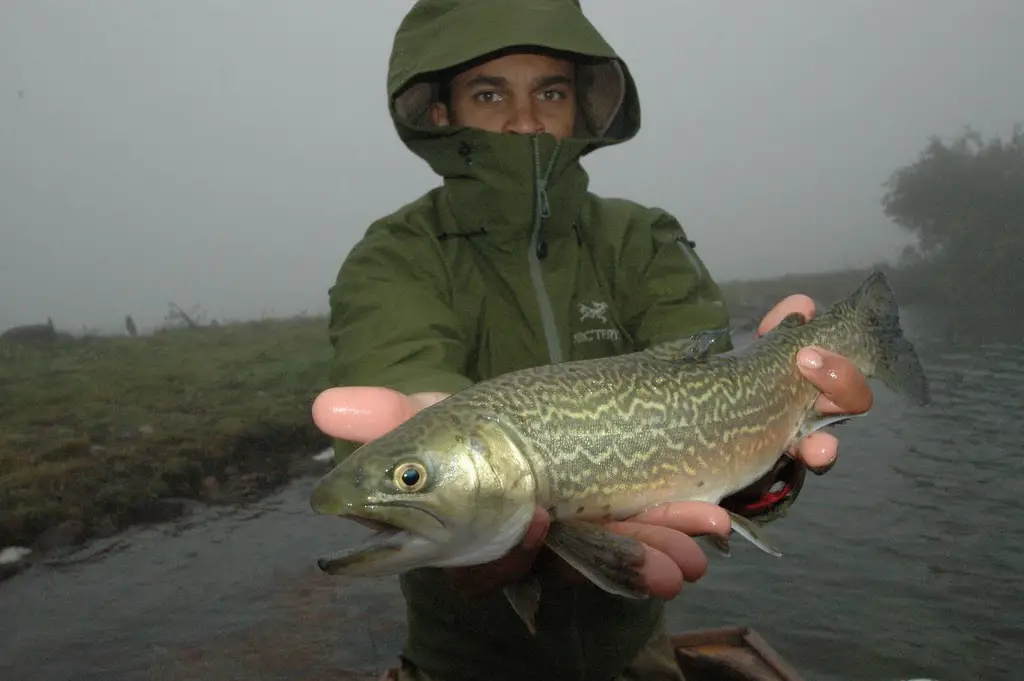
694, 649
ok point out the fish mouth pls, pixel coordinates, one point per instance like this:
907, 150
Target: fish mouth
376, 554
379, 525
387, 540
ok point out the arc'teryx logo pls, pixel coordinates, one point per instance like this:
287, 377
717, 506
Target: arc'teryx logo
597, 309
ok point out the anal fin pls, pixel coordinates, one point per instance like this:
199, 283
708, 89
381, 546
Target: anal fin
749, 530
814, 424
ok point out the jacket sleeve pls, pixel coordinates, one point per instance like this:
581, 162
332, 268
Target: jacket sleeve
391, 318
676, 297
671, 294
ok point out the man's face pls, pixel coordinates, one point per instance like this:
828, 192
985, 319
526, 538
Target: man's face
519, 93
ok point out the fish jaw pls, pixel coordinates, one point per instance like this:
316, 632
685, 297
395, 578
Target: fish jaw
392, 550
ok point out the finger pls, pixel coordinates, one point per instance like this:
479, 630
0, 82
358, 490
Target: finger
797, 302
845, 389
819, 452
672, 557
536, 532
424, 400
690, 517
360, 414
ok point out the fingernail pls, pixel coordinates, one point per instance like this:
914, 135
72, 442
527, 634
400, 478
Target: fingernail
821, 470
809, 359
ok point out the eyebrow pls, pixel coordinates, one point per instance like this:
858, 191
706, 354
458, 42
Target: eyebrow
498, 81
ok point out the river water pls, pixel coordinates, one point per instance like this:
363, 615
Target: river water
904, 561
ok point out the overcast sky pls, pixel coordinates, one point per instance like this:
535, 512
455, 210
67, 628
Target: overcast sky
228, 154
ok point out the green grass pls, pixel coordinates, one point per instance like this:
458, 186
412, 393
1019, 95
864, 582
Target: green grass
95, 429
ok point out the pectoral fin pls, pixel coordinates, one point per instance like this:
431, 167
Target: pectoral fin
609, 560
792, 320
749, 530
524, 596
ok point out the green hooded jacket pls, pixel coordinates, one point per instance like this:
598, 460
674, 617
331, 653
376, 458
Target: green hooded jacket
512, 263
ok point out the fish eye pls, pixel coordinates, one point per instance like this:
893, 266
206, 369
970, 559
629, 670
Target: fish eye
410, 477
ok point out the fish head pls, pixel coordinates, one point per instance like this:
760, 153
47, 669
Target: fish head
443, 489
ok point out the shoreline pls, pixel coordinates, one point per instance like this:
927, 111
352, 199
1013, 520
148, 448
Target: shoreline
237, 490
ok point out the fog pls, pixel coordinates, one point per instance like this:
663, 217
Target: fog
228, 154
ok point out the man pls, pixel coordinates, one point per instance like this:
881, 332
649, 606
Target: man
513, 263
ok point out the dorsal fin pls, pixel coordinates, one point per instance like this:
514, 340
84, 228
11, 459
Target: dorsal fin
793, 319
695, 348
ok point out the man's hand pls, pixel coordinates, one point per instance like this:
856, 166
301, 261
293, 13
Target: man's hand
844, 390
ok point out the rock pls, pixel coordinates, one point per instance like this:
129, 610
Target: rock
210, 487
326, 456
13, 560
66, 534
97, 449
103, 527
164, 510
146, 430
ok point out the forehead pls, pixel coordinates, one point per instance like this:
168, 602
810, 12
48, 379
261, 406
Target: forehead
519, 67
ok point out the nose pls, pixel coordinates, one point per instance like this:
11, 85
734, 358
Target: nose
523, 120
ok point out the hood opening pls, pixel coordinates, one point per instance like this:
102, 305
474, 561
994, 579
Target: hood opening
601, 86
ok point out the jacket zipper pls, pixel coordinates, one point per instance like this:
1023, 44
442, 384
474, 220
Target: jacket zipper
541, 211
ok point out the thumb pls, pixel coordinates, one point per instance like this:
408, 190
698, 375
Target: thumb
361, 414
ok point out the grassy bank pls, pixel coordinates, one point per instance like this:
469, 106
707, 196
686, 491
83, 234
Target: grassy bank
95, 431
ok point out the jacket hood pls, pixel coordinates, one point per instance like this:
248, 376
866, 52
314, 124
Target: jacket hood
436, 36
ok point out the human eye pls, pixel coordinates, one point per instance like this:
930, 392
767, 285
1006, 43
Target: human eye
486, 96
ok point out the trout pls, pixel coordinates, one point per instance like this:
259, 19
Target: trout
598, 440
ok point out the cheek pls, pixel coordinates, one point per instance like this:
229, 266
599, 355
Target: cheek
560, 120
490, 123
489, 119
560, 126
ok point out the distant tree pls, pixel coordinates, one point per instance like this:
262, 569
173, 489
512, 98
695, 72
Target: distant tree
964, 200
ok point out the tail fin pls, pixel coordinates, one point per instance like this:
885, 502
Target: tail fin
897, 364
